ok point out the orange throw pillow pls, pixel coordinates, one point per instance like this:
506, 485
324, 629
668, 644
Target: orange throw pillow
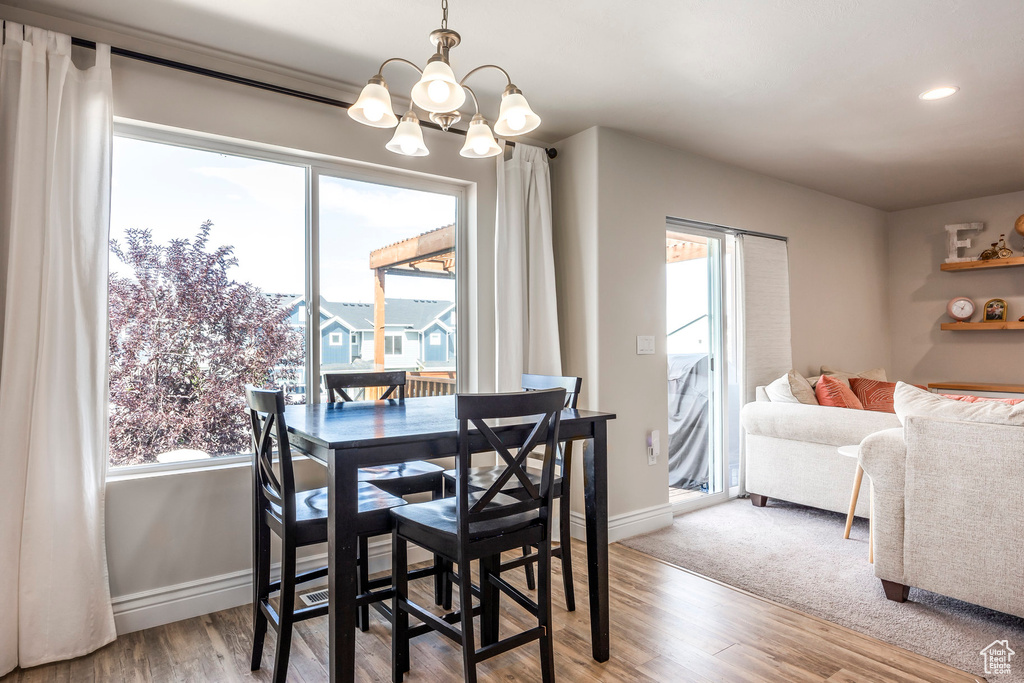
976, 399
874, 394
832, 392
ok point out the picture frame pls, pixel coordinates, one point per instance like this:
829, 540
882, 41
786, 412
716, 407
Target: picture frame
994, 311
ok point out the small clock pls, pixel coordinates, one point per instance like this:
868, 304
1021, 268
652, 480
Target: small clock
960, 309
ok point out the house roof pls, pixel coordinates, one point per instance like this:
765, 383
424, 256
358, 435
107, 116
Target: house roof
413, 314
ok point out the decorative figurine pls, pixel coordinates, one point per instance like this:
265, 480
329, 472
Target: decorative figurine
990, 253
1004, 251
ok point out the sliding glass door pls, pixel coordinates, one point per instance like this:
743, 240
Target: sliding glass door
703, 392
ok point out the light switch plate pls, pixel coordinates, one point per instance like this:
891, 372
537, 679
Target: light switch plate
645, 345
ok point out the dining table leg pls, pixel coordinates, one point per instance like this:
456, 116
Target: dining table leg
341, 568
595, 494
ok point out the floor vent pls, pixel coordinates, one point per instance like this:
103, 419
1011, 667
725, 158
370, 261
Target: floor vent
314, 598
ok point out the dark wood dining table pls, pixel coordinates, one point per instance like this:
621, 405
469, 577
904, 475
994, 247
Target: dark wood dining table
347, 436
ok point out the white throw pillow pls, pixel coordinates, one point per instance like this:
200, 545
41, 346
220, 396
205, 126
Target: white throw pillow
911, 401
844, 376
791, 388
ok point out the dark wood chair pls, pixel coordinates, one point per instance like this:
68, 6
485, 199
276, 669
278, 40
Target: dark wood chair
478, 525
299, 518
484, 477
401, 479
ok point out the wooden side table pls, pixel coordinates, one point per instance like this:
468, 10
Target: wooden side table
853, 452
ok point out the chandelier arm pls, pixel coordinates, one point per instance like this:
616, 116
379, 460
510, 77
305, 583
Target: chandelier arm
476, 104
380, 71
486, 66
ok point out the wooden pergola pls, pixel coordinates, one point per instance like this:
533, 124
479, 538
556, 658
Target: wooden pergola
683, 247
431, 254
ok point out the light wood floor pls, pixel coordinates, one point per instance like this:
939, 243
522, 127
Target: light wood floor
667, 625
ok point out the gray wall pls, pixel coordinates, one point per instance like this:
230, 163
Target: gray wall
919, 292
612, 194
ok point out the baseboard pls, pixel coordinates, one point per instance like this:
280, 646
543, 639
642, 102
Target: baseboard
627, 524
168, 604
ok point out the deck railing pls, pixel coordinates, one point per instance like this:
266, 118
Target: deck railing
417, 386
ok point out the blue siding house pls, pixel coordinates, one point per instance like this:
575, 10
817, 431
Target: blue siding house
421, 333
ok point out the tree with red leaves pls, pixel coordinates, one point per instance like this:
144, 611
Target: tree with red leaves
185, 338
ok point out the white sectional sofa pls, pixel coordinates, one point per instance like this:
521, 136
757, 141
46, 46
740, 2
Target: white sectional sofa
792, 452
949, 510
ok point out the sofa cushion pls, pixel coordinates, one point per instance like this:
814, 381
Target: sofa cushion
815, 424
912, 401
874, 394
791, 388
831, 392
844, 376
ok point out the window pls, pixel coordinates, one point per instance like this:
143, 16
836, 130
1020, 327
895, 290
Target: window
387, 258
228, 234
435, 338
393, 345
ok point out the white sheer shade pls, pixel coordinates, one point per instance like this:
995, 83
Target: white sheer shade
526, 315
767, 338
55, 148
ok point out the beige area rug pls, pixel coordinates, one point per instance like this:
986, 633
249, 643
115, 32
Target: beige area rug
797, 556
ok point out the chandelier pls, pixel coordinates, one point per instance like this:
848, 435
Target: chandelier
440, 95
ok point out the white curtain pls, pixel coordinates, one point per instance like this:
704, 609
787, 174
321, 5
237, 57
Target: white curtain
767, 336
55, 146
526, 315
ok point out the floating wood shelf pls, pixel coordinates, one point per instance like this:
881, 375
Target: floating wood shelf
966, 327
994, 263
975, 386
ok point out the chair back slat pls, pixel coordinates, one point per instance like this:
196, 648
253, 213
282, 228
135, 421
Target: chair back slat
544, 407
393, 380
270, 437
572, 386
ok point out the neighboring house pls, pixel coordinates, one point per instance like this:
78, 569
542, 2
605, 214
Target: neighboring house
419, 333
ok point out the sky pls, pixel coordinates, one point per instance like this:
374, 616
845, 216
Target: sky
259, 208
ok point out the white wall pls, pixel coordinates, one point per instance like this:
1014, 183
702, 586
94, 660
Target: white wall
919, 292
173, 538
613, 192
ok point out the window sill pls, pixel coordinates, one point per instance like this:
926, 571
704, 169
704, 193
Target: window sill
189, 467
224, 462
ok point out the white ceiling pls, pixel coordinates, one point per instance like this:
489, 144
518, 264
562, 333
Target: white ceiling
822, 93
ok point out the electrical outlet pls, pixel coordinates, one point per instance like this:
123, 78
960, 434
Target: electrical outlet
653, 447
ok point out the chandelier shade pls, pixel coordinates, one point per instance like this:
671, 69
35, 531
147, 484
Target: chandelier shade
480, 142
439, 93
437, 90
515, 117
408, 137
373, 108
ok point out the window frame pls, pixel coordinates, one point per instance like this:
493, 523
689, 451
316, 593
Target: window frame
335, 339
315, 165
392, 336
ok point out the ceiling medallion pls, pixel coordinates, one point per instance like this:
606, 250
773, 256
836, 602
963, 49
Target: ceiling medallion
440, 95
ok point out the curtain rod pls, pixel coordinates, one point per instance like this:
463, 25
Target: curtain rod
253, 83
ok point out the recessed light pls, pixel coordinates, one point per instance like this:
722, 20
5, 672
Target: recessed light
939, 93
